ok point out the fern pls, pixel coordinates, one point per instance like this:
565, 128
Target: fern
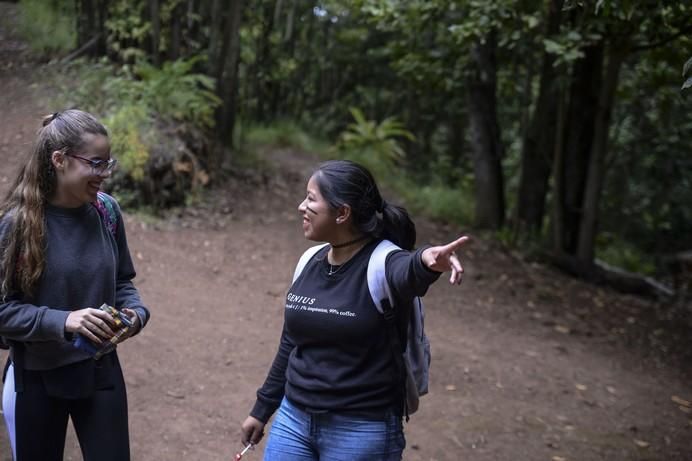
176, 92
49, 27
379, 139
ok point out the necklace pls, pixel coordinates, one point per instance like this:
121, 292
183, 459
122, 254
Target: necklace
332, 269
350, 242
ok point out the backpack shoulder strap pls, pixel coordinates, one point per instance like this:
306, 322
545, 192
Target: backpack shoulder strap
307, 256
377, 280
107, 208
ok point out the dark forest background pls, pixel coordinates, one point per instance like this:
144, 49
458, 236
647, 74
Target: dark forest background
558, 126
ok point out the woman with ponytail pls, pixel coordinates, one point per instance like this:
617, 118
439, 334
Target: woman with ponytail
334, 380
62, 255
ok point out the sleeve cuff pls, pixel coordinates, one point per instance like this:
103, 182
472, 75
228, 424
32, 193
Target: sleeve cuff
53, 324
422, 263
262, 411
143, 316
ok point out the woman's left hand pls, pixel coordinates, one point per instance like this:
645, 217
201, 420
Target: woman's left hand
443, 258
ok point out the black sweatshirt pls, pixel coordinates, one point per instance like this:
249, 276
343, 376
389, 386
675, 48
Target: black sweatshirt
335, 354
85, 266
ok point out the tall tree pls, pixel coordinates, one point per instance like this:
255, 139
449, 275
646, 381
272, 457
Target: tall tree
484, 130
539, 143
155, 18
228, 83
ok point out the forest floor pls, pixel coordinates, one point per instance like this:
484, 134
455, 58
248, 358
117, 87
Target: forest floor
528, 363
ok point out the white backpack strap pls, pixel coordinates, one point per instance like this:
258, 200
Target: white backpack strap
307, 256
377, 280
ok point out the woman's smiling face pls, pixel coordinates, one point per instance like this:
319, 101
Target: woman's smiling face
318, 217
77, 181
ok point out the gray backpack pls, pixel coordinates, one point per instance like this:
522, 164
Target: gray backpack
416, 360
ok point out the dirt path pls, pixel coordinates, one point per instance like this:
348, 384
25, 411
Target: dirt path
527, 363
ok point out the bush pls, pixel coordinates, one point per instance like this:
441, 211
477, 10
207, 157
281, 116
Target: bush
126, 127
619, 253
49, 27
283, 134
148, 112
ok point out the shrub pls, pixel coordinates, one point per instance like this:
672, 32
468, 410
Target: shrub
49, 27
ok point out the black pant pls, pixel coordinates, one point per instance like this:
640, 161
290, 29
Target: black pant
100, 420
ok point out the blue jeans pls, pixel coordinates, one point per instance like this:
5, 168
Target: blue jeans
299, 436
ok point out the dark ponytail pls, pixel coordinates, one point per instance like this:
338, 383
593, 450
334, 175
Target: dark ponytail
342, 182
398, 227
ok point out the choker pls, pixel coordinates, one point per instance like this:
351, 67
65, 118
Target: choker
350, 242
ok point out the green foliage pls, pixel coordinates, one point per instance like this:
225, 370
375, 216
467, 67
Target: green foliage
127, 29
446, 203
376, 139
49, 27
176, 92
172, 93
619, 253
406, 63
135, 102
649, 186
127, 127
283, 134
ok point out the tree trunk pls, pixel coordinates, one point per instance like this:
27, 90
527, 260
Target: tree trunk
155, 17
195, 17
558, 218
176, 25
288, 35
539, 143
86, 22
456, 137
486, 143
581, 113
262, 90
102, 16
596, 171
215, 38
229, 86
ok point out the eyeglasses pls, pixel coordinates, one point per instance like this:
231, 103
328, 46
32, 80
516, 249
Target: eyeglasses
98, 166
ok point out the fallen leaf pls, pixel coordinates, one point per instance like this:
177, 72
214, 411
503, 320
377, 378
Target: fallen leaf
681, 401
562, 329
580, 387
641, 443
